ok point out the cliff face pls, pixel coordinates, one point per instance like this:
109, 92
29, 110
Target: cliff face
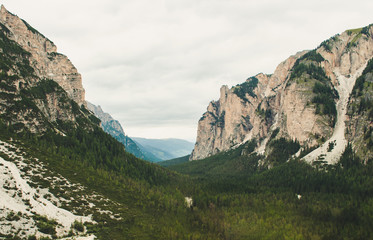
47, 63
305, 99
40, 89
244, 112
360, 115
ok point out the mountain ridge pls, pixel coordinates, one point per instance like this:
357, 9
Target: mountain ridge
115, 129
63, 177
167, 148
299, 99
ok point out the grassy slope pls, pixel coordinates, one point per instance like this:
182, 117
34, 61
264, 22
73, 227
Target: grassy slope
174, 161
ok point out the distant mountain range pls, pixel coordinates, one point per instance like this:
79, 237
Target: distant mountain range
153, 150
165, 149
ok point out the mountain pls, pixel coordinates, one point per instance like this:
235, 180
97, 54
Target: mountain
63, 177
114, 128
40, 89
165, 149
304, 102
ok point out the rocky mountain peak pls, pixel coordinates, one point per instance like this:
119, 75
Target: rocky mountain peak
304, 100
47, 62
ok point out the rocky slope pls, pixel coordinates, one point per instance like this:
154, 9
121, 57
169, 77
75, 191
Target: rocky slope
304, 100
61, 175
39, 87
360, 115
44, 58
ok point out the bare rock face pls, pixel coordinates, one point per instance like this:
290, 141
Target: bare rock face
48, 64
291, 100
242, 113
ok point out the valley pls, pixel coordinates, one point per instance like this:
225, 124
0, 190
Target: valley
286, 155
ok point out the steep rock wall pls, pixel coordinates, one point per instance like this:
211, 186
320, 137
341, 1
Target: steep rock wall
48, 64
291, 100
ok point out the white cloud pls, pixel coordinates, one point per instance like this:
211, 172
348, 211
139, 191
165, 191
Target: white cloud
156, 64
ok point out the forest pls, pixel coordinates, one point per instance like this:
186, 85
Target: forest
235, 195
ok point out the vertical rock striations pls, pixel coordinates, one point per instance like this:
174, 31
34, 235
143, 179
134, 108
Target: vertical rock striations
305, 100
40, 89
47, 63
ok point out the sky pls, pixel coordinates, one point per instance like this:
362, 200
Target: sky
155, 65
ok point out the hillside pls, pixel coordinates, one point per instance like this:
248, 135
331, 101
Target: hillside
304, 100
174, 161
63, 177
114, 128
62, 174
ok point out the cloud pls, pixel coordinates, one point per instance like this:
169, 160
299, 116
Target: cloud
155, 65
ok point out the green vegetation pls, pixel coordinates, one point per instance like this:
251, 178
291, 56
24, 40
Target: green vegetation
328, 44
365, 30
246, 88
361, 109
235, 195
325, 101
264, 204
358, 32
220, 163
264, 113
12, 216
174, 161
32, 237
78, 226
45, 225
281, 150
354, 31
311, 56
219, 120
362, 92
307, 71
353, 42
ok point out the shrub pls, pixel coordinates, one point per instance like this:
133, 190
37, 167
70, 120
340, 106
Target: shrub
45, 225
246, 88
78, 226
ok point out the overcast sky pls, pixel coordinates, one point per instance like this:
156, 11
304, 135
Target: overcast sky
156, 64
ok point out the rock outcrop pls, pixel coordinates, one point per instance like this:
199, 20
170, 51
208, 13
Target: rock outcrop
303, 100
40, 89
44, 58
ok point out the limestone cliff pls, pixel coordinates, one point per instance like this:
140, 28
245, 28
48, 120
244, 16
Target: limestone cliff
360, 115
40, 89
303, 100
44, 58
